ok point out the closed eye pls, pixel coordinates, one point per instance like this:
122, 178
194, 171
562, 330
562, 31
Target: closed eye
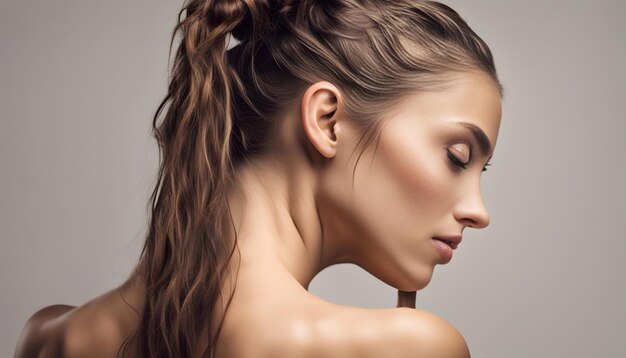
456, 161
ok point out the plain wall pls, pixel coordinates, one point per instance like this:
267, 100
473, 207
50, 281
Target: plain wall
80, 81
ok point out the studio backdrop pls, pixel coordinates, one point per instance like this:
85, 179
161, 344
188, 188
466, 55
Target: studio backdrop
80, 81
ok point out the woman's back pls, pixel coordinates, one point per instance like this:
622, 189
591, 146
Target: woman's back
293, 323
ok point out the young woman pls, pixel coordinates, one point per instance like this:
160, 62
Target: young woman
351, 131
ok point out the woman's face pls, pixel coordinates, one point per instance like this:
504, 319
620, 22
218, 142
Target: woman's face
410, 187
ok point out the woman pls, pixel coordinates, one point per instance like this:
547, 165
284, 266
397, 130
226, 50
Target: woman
260, 186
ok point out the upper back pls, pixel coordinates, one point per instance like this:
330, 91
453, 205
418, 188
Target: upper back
317, 328
300, 326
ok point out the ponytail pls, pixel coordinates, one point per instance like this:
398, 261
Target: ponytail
185, 255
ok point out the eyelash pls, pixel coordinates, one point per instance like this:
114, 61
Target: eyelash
460, 164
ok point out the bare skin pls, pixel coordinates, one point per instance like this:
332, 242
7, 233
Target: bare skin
297, 213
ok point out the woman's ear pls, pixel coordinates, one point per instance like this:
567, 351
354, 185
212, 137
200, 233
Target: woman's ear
320, 104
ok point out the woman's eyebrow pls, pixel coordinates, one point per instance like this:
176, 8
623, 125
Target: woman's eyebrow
479, 135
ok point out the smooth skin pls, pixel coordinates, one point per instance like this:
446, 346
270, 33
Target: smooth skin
298, 212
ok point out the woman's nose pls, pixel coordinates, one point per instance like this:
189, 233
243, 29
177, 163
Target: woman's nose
471, 211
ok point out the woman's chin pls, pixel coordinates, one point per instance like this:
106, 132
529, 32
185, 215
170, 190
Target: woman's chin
415, 281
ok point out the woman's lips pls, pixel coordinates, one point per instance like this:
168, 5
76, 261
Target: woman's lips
452, 240
444, 250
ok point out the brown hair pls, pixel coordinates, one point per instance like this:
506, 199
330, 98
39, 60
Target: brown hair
223, 105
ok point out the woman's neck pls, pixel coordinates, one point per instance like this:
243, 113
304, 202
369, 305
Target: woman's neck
277, 220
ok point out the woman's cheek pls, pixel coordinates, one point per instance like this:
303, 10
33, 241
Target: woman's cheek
419, 173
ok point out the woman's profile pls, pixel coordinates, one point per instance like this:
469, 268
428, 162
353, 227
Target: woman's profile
336, 131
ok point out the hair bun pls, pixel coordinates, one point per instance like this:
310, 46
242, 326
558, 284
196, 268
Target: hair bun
251, 18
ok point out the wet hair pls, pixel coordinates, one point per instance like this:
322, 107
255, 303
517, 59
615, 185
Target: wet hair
223, 104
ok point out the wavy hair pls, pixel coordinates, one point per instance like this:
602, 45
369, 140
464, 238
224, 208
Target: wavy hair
223, 105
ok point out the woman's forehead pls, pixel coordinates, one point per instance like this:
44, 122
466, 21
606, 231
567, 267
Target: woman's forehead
472, 101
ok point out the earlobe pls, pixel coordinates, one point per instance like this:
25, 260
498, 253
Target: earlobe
319, 116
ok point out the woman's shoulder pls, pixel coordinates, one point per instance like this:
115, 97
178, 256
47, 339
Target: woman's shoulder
408, 332
394, 332
39, 336
341, 331
90, 330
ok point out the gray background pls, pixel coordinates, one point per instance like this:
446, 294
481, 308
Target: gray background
80, 80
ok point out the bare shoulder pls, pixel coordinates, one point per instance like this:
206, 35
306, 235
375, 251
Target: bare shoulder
345, 332
39, 335
418, 333
91, 330
394, 332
